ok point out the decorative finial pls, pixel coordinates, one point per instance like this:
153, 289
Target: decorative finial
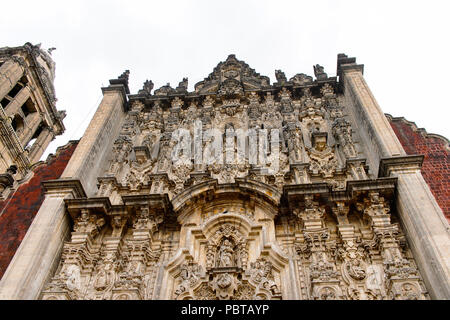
62, 114
125, 75
147, 88
281, 77
183, 85
319, 73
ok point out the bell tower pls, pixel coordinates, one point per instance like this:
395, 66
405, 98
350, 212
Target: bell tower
29, 120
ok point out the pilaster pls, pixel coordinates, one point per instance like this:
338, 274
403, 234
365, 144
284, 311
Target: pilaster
426, 228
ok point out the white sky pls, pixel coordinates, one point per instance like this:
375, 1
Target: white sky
404, 46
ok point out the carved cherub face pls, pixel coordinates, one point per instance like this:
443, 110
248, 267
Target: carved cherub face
320, 143
309, 202
84, 215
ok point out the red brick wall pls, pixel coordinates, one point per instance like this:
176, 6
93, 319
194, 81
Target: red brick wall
436, 164
19, 209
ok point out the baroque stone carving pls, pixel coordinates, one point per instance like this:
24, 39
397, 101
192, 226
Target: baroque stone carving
167, 224
323, 159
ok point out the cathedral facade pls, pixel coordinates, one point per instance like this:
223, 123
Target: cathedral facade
240, 189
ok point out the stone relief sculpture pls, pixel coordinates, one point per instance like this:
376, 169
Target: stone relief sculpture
318, 227
225, 256
323, 159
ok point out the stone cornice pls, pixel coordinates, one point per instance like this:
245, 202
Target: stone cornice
122, 90
103, 206
155, 201
295, 193
59, 186
358, 186
411, 162
305, 188
344, 63
99, 204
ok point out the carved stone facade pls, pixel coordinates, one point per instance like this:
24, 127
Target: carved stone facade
326, 224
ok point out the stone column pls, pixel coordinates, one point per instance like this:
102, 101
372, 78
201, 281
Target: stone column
10, 73
426, 229
38, 255
32, 123
41, 143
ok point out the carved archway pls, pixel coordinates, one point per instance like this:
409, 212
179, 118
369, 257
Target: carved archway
215, 219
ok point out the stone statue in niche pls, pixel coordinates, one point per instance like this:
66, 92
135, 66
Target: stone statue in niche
280, 76
103, 278
73, 281
323, 159
355, 269
225, 254
147, 88
409, 292
293, 136
327, 293
319, 72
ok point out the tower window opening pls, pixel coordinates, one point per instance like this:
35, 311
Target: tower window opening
15, 90
28, 108
5, 101
17, 124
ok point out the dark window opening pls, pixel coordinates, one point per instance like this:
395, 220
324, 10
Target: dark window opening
5, 101
17, 124
28, 108
37, 132
14, 91
24, 80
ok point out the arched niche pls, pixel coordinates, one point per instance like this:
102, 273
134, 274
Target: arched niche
259, 267
199, 197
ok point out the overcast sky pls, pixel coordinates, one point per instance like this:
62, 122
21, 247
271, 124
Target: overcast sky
404, 46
